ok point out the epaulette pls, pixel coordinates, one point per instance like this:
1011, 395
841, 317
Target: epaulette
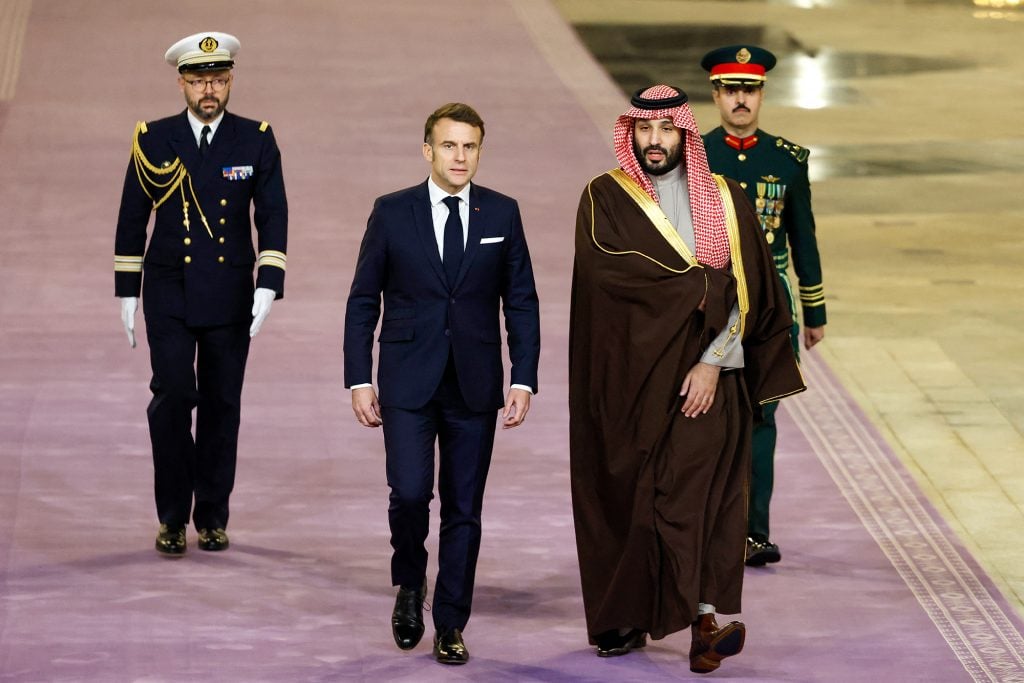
142, 127
796, 151
263, 126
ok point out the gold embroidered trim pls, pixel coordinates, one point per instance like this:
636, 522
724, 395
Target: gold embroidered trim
270, 257
732, 228
654, 214
593, 236
127, 264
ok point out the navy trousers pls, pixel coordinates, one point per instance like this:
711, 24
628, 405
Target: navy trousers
197, 368
465, 439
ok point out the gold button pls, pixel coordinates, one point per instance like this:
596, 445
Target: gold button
220, 259
743, 185
221, 240
223, 202
742, 157
223, 221
188, 241
188, 259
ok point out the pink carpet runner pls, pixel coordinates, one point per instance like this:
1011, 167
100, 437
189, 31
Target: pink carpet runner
872, 585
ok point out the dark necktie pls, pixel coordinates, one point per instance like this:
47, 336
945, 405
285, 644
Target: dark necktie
453, 246
204, 142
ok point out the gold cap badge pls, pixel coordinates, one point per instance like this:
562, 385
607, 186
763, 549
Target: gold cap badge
743, 56
208, 44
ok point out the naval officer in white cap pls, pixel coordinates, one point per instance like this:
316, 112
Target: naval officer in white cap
198, 173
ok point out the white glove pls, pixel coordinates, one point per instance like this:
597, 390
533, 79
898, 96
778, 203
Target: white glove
129, 304
262, 299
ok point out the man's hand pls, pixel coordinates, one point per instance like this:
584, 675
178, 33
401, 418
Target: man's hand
813, 335
366, 407
129, 305
516, 406
699, 387
262, 299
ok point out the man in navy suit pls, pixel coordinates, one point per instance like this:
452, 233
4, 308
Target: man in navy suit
447, 256
200, 172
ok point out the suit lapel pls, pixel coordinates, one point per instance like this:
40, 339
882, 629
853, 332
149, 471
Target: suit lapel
476, 218
183, 142
216, 156
425, 229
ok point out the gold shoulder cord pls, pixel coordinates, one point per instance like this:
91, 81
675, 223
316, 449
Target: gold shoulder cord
150, 175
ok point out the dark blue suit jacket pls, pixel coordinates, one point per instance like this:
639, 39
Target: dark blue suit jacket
190, 275
424, 318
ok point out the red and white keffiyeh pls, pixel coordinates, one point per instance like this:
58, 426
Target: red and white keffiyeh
705, 201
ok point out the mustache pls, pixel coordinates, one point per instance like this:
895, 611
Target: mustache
659, 148
740, 107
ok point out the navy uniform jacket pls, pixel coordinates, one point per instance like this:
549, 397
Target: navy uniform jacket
424, 318
202, 276
773, 172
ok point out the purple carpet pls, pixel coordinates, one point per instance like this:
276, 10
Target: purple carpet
872, 585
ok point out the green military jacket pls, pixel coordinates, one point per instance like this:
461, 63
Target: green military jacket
773, 172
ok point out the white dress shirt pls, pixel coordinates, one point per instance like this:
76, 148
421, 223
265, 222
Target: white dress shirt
439, 212
197, 126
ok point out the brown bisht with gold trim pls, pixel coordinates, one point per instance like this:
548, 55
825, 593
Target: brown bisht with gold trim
659, 499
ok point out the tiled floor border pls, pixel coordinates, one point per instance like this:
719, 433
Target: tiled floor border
948, 587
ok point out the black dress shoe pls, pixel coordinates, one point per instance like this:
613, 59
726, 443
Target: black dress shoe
213, 539
407, 617
170, 541
449, 648
761, 552
612, 644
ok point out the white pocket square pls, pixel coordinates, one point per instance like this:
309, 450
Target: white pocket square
490, 240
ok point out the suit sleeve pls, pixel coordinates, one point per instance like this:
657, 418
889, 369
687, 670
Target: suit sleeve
803, 242
130, 236
363, 308
270, 214
521, 307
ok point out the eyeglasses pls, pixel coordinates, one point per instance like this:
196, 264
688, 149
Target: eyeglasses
199, 84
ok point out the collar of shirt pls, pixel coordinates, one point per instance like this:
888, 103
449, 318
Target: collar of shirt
197, 126
439, 212
437, 195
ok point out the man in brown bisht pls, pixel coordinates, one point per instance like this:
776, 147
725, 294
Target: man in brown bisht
678, 326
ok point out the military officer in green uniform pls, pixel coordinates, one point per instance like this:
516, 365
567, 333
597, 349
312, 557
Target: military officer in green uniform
773, 171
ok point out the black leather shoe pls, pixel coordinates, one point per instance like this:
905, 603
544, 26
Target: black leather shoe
170, 541
611, 644
449, 648
761, 552
407, 617
213, 539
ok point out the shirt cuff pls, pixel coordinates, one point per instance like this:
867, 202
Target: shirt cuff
523, 387
360, 386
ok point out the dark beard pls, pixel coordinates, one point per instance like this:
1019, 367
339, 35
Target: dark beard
203, 115
670, 163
